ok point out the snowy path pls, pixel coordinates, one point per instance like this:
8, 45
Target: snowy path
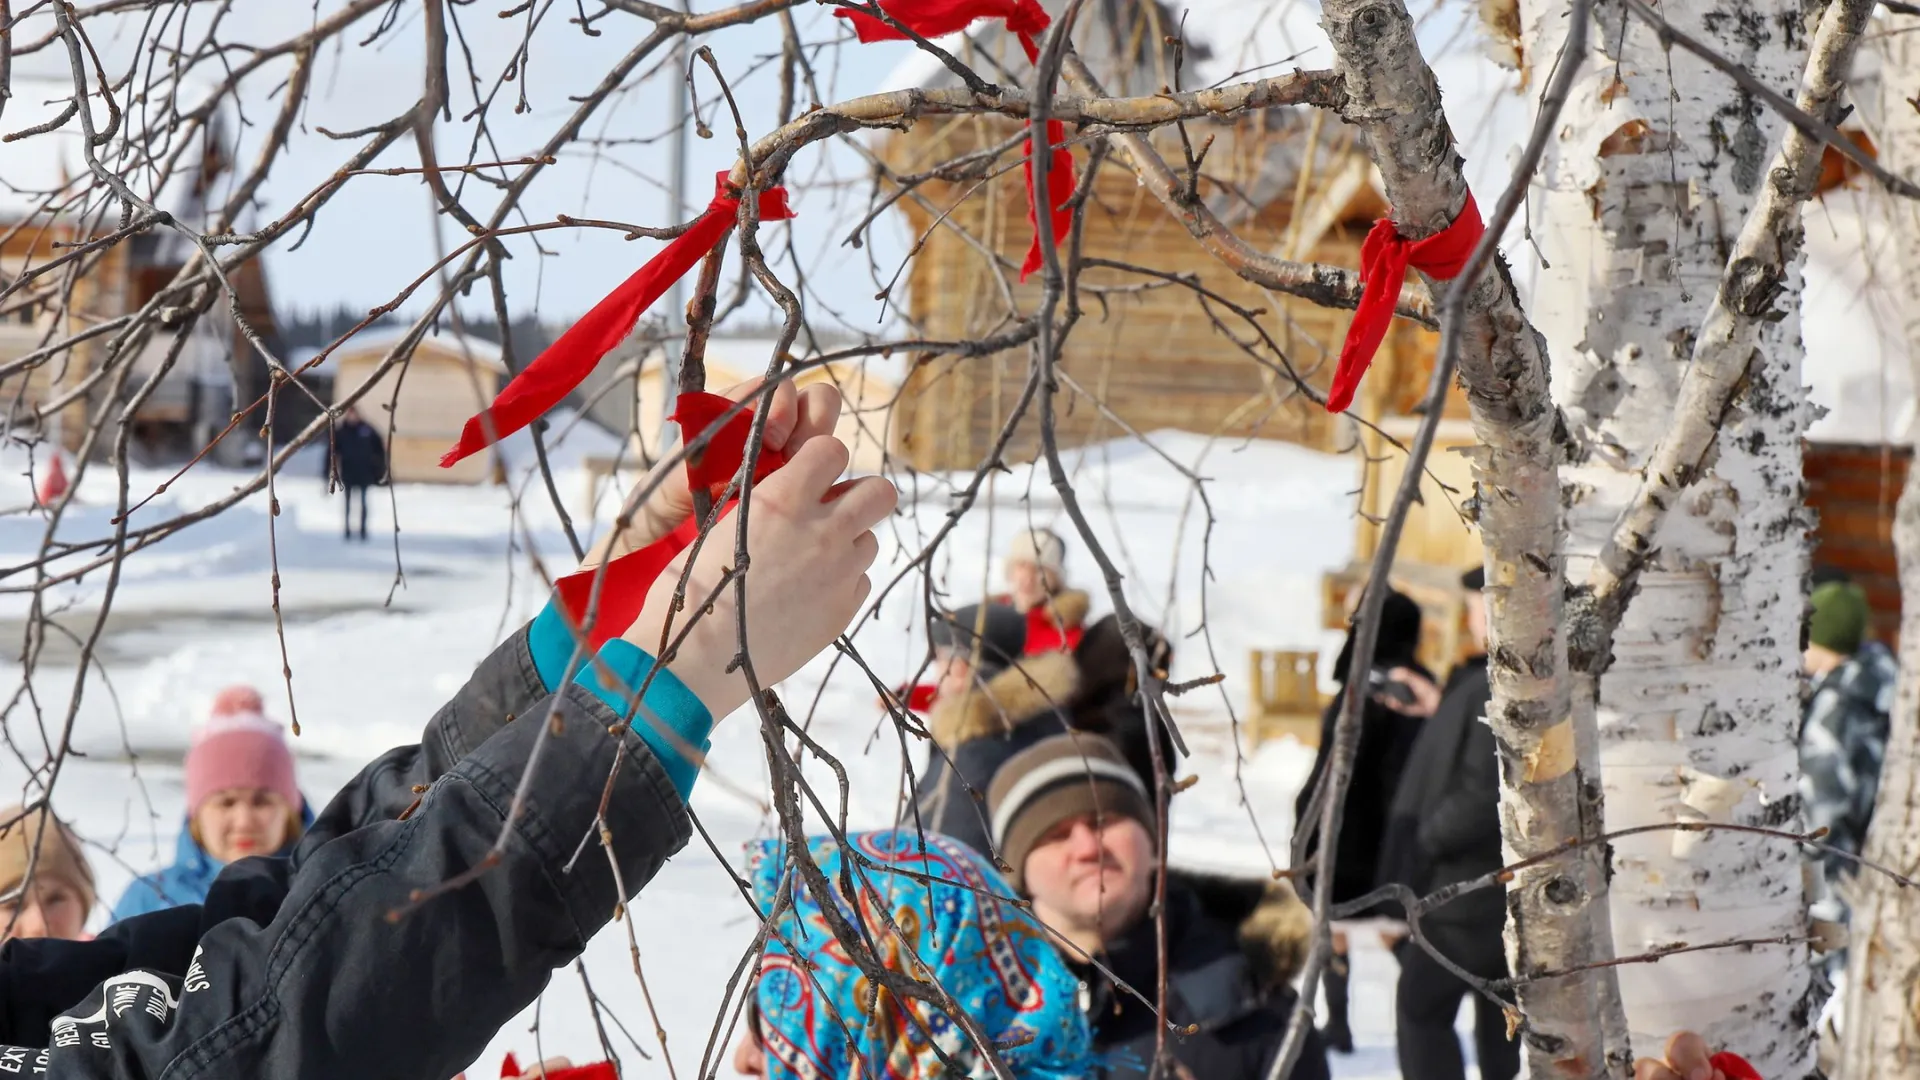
193, 615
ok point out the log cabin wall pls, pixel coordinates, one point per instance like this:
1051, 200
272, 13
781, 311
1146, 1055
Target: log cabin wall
1150, 353
1853, 488
91, 290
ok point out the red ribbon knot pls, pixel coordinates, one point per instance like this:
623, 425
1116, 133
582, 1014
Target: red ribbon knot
1385, 256
629, 578
1025, 19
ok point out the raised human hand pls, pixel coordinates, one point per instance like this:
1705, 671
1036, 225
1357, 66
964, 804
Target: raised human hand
810, 542
1687, 1057
794, 418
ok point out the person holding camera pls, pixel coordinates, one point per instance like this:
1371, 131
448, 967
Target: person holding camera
1400, 695
1445, 829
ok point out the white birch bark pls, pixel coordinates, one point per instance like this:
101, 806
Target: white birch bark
1880, 1033
1660, 162
1550, 794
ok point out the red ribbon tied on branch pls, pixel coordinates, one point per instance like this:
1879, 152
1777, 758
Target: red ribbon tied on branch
712, 467
1384, 258
628, 579
1025, 19
555, 372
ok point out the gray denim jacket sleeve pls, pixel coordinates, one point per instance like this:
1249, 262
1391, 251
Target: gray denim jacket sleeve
353, 978
505, 685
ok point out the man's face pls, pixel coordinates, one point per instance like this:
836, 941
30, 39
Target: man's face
1477, 619
1096, 875
955, 672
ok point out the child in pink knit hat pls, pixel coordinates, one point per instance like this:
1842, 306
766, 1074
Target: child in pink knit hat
241, 800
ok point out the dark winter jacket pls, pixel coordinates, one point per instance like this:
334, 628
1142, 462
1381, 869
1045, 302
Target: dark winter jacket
1109, 703
358, 453
976, 734
1386, 740
1212, 982
1043, 694
329, 985
1445, 823
1843, 742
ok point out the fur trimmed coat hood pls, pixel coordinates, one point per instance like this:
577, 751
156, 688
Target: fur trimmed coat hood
1033, 687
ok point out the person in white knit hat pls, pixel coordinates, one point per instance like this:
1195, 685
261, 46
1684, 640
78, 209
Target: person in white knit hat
1037, 588
1036, 566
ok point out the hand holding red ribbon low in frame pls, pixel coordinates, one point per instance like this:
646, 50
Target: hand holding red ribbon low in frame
555, 372
1735, 1067
1385, 256
627, 580
1025, 19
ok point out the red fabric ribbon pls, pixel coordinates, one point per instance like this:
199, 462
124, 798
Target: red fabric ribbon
510, 1068
1734, 1066
630, 577
1045, 634
628, 580
555, 372
1384, 258
938, 18
1059, 192
1026, 19
714, 466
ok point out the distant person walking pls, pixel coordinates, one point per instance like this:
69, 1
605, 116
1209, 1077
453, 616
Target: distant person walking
1843, 736
358, 459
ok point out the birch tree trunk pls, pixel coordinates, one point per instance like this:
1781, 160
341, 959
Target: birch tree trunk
1661, 160
1550, 793
1881, 1022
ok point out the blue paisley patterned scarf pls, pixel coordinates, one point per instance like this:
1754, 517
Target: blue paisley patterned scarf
819, 1019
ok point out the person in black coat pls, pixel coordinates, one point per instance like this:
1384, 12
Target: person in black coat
1108, 702
358, 459
1444, 829
1400, 693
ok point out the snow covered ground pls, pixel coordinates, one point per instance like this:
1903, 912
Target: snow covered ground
193, 614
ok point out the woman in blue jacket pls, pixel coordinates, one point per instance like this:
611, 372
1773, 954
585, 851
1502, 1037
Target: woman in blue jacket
241, 801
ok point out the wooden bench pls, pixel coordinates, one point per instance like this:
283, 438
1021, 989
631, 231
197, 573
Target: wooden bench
1284, 696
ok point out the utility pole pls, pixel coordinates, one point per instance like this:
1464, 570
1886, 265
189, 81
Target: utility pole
676, 211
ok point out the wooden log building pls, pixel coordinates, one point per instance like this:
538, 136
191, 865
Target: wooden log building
46, 201
1163, 348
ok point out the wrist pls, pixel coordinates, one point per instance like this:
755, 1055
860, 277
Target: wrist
700, 659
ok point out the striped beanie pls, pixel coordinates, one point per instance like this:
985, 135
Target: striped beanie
1056, 779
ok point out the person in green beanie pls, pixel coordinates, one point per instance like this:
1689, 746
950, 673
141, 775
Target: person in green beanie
1843, 737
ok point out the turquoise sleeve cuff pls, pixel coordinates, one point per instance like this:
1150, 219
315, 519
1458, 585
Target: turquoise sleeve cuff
551, 646
672, 719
